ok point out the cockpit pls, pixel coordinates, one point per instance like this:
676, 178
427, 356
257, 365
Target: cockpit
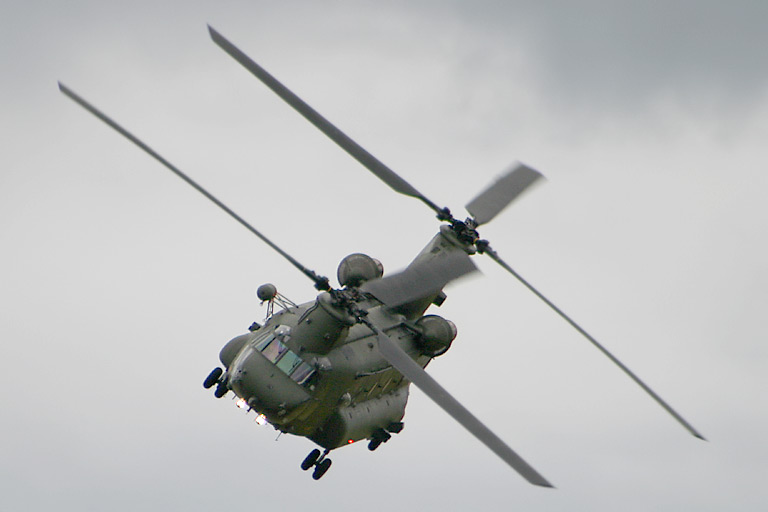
273, 346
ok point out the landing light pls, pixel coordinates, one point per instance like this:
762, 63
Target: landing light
241, 403
261, 419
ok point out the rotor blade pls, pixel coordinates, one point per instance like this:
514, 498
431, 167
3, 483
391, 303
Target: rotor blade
416, 374
506, 189
374, 165
419, 281
490, 252
320, 282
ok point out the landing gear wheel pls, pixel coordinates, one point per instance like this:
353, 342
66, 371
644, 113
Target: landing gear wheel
321, 469
221, 390
310, 460
379, 436
212, 378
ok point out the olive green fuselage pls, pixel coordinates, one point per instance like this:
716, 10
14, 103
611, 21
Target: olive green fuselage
326, 379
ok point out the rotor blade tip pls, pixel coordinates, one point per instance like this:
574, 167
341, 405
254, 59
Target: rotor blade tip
69, 93
534, 170
213, 32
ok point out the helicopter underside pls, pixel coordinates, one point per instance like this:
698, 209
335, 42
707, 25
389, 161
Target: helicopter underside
363, 420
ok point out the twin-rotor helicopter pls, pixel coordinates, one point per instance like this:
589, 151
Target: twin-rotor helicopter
337, 369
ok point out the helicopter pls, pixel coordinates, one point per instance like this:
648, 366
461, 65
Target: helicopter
337, 369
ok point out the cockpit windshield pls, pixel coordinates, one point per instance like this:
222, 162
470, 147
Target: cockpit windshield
263, 341
303, 373
274, 350
272, 346
289, 362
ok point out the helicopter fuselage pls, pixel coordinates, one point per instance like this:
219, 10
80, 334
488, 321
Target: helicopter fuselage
313, 371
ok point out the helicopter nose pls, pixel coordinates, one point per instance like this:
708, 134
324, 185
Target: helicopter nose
262, 384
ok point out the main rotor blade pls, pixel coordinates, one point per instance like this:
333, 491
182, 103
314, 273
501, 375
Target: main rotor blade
321, 283
506, 189
416, 374
374, 165
490, 252
419, 281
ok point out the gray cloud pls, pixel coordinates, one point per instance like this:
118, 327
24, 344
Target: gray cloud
120, 285
629, 50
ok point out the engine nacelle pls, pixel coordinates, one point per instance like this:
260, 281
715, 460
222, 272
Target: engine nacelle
437, 334
322, 326
358, 268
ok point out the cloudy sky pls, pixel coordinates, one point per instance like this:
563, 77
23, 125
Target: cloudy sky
121, 284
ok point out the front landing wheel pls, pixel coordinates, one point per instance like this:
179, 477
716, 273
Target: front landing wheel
310, 460
321, 469
212, 378
221, 390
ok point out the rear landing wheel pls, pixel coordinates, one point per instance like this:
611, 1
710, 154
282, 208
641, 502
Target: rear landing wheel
310, 460
321, 469
379, 436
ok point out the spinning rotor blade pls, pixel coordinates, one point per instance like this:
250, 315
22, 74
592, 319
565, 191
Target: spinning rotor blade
490, 252
321, 283
506, 189
419, 281
374, 165
483, 208
416, 374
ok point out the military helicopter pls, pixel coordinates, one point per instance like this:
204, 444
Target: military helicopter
337, 369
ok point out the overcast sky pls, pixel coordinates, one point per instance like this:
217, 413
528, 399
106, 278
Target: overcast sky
121, 284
